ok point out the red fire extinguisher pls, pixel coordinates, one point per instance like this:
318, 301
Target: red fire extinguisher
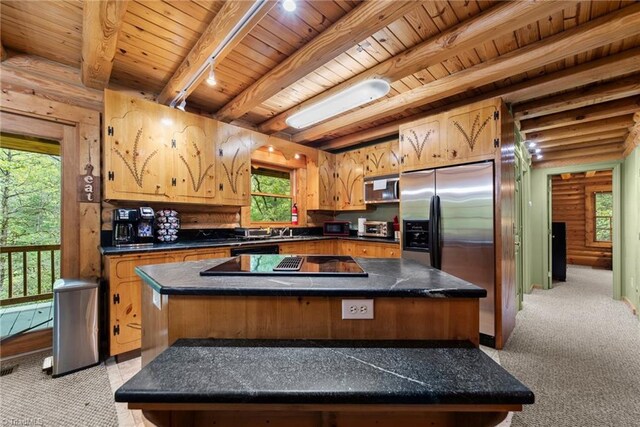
294, 214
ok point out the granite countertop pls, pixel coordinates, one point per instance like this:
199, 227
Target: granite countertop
223, 243
324, 372
388, 277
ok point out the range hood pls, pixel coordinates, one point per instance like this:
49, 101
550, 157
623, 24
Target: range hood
382, 190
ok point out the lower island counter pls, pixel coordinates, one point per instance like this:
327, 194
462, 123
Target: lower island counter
275, 350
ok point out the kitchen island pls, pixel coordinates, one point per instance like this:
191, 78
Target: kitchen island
410, 302
277, 350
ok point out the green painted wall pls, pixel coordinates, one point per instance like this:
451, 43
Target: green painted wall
630, 236
538, 222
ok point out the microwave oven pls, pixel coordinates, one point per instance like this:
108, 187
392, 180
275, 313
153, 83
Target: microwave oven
336, 228
378, 229
382, 190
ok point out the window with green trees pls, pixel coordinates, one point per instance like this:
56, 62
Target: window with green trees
271, 195
602, 219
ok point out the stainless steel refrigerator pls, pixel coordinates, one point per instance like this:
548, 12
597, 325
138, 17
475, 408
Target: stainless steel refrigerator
448, 223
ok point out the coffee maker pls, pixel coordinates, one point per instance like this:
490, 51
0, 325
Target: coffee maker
132, 226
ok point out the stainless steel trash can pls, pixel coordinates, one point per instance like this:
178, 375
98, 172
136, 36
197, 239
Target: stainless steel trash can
75, 325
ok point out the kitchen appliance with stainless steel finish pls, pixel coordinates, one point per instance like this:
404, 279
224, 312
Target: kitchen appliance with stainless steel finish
336, 228
125, 222
252, 233
381, 190
448, 223
378, 229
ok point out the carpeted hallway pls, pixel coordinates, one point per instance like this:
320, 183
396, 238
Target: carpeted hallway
579, 351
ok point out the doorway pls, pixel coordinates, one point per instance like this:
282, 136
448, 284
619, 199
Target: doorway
30, 203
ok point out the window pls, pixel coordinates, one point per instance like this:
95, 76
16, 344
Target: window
598, 216
271, 194
603, 211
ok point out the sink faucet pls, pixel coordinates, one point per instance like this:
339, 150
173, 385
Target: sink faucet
284, 230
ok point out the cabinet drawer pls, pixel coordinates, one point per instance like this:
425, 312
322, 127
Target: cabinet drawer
206, 254
392, 252
124, 268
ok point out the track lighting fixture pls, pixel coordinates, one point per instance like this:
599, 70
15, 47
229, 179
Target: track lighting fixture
182, 105
211, 80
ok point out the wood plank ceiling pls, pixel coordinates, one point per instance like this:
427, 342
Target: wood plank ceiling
570, 69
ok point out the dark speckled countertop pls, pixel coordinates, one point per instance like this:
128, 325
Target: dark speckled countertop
229, 243
388, 277
324, 372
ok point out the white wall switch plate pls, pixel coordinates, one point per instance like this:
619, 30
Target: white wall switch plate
357, 309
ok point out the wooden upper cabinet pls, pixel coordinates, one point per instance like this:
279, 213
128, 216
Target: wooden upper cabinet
395, 156
473, 132
381, 159
420, 144
234, 164
326, 181
194, 159
350, 180
137, 145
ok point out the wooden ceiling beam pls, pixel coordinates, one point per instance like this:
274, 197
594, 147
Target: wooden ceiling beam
583, 74
501, 19
582, 97
607, 29
610, 136
363, 21
565, 176
101, 22
229, 16
579, 129
583, 144
591, 113
617, 147
582, 160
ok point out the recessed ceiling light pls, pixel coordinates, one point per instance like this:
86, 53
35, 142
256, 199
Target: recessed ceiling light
289, 5
211, 80
350, 98
270, 148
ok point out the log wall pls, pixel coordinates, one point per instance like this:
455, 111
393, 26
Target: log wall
568, 204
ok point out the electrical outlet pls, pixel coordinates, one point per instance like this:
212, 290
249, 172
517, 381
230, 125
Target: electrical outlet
357, 309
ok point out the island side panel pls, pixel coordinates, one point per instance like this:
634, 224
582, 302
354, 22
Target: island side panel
155, 324
321, 318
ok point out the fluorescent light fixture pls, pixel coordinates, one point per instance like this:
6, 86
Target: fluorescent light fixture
182, 105
340, 102
289, 5
532, 144
211, 80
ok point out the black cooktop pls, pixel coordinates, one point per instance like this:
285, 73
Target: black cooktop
281, 265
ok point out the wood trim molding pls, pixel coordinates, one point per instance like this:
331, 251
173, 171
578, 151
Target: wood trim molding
226, 19
101, 22
631, 306
27, 342
363, 21
501, 19
604, 30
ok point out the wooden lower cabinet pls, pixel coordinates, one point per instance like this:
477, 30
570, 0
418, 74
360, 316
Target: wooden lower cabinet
125, 319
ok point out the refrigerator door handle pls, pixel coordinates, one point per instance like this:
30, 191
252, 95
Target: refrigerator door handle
432, 236
437, 227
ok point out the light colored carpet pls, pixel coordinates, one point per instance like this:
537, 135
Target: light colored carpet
579, 351
31, 397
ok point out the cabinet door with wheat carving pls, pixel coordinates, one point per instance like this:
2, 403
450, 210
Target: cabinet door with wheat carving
472, 134
350, 181
234, 146
194, 160
137, 149
326, 181
378, 160
420, 145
